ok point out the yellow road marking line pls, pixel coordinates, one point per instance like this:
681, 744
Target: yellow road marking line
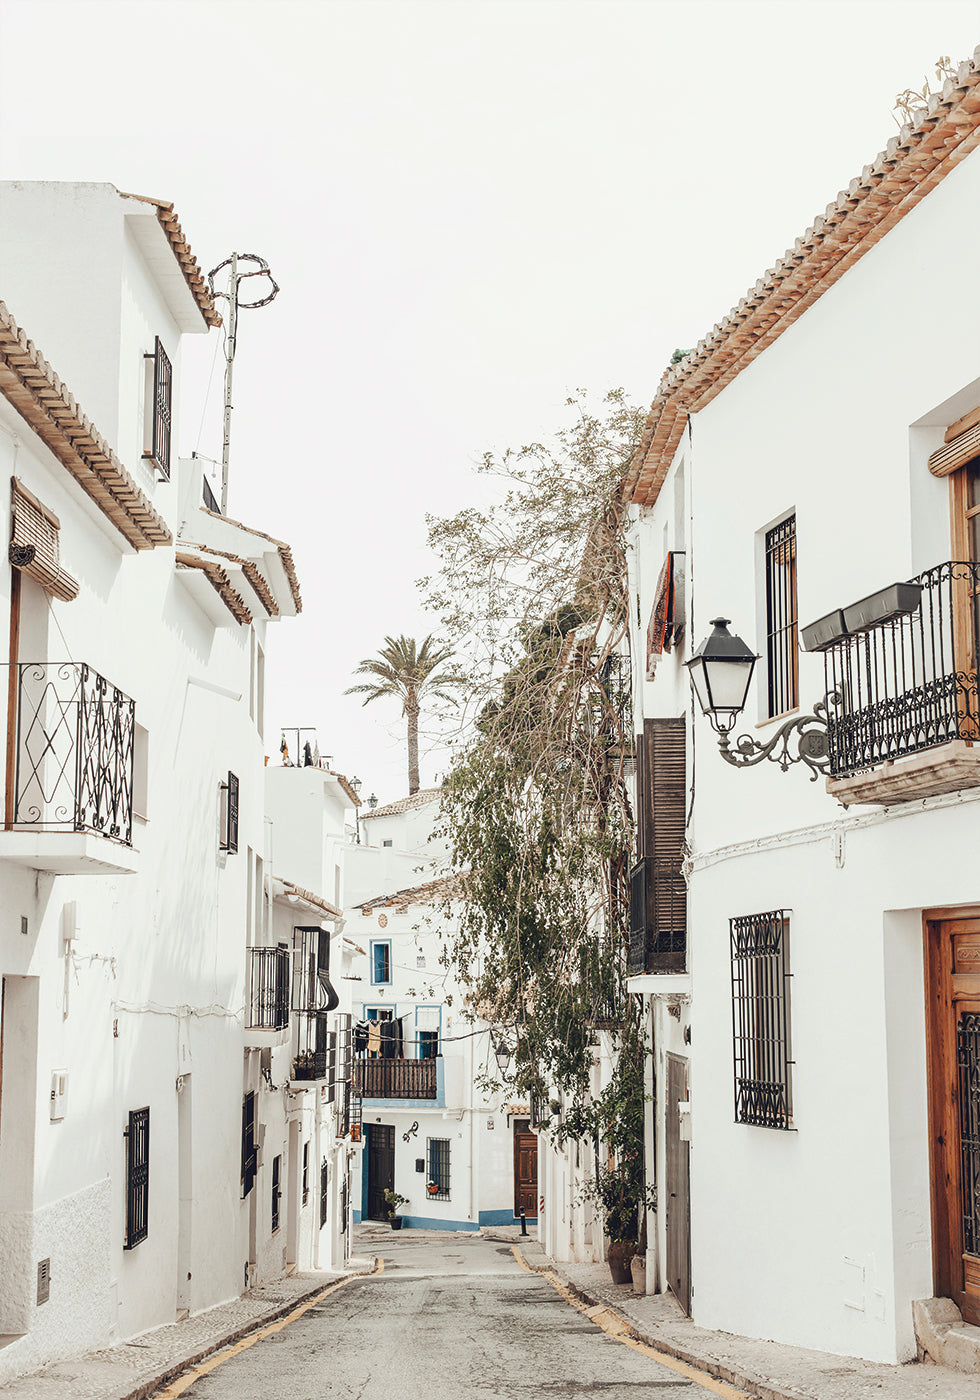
617, 1328
185, 1381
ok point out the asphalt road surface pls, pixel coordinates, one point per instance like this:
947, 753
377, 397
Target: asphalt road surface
448, 1319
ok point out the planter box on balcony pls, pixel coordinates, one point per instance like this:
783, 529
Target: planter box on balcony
823, 633
897, 600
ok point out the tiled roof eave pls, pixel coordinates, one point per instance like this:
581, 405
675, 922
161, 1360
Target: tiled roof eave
220, 582
284, 551
189, 266
31, 386
912, 165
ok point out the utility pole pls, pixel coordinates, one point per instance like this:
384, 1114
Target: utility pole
234, 305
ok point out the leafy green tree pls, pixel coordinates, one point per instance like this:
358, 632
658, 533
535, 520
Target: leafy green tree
407, 671
536, 807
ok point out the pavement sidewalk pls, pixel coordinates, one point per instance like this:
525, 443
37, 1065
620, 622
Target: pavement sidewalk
133, 1370
766, 1370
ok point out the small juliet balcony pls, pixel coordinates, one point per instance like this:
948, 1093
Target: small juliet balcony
901, 671
397, 1079
69, 774
267, 1012
658, 917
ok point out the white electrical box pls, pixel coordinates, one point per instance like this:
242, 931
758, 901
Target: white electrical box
59, 1094
684, 1121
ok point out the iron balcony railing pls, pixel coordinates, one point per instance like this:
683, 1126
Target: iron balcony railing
70, 739
312, 1046
658, 917
395, 1079
268, 1004
909, 683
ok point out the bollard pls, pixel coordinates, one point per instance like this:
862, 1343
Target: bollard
523, 1222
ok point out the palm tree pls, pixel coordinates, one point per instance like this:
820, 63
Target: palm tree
406, 671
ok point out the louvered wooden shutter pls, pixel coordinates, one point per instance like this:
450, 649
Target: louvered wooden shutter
34, 544
956, 453
665, 787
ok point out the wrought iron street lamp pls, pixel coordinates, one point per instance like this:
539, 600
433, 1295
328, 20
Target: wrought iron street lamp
721, 672
503, 1050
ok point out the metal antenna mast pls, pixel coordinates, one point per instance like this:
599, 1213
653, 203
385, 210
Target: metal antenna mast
234, 306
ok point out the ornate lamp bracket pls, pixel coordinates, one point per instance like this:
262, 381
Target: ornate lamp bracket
802, 739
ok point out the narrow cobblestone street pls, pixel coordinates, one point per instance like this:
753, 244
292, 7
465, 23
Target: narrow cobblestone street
443, 1318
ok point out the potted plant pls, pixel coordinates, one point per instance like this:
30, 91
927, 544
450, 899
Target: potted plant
432, 1187
622, 1195
393, 1201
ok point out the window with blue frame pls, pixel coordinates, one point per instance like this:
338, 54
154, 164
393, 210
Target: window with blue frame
428, 1045
380, 962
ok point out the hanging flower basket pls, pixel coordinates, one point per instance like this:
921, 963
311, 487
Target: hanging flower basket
433, 1188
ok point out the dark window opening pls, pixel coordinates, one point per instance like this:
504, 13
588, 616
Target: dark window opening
760, 1014
158, 425
437, 1169
249, 1148
306, 1172
229, 815
276, 1192
428, 1045
781, 622
137, 1136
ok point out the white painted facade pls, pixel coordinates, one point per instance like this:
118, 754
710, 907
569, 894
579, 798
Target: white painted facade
401, 971
124, 969
819, 1236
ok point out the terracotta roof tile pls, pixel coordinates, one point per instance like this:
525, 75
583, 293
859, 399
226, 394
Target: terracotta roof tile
285, 553
433, 891
188, 263
910, 166
29, 383
422, 798
219, 581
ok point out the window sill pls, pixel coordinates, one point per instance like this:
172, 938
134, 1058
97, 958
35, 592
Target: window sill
777, 719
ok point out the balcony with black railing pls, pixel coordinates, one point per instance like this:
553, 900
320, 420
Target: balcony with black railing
658, 917
902, 681
396, 1079
69, 773
268, 997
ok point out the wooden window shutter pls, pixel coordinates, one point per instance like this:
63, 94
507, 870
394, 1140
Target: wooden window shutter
665, 787
34, 547
959, 448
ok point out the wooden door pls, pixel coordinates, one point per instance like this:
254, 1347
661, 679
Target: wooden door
525, 1169
953, 1008
678, 1183
381, 1168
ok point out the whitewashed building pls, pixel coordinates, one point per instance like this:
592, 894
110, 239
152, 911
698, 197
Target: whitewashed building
810, 470
299, 1022
132, 706
430, 1131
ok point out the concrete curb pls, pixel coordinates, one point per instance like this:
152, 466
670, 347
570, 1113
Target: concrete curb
751, 1384
147, 1387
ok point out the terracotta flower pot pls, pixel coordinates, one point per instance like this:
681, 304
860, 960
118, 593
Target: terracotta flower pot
618, 1258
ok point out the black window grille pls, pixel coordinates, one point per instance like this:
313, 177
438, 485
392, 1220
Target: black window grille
781, 622
968, 1063
276, 1192
760, 1019
229, 824
437, 1168
159, 452
268, 1006
73, 751
331, 1066
249, 1148
137, 1136
324, 1191
658, 917
306, 1172
344, 1205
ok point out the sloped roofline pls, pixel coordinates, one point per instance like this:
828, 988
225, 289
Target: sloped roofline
912, 164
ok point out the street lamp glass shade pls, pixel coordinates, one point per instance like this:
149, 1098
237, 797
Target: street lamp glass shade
721, 672
502, 1051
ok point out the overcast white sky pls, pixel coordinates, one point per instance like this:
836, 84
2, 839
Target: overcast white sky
472, 207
